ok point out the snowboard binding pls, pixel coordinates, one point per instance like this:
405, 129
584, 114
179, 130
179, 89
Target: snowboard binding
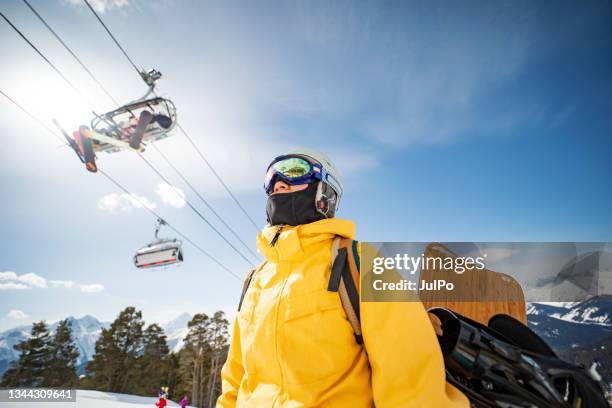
505, 364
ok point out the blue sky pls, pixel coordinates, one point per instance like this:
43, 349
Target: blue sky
471, 121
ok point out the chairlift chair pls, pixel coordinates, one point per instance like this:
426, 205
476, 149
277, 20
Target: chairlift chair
160, 252
129, 127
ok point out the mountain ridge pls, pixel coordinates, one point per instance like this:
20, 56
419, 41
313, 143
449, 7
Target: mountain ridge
86, 331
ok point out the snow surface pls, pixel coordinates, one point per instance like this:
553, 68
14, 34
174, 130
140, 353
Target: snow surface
564, 305
574, 312
176, 339
93, 399
587, 315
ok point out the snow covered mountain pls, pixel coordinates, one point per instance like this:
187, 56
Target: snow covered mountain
86, 331
8, 339
580, 333
572, 325
176, 330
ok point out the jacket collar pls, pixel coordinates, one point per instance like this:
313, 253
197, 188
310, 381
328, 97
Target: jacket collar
292, 240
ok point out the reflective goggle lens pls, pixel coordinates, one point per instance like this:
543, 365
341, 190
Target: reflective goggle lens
292, 167
289, 168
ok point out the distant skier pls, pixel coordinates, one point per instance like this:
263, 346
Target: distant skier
163, 397
184, 402
162, 402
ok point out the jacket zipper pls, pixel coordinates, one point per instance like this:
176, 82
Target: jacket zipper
276, 235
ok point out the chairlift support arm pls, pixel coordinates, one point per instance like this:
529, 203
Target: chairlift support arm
160, 222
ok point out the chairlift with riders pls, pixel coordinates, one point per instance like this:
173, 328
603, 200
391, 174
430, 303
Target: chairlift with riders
129, 127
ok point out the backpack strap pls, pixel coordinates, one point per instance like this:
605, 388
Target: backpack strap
247, 282
344, 279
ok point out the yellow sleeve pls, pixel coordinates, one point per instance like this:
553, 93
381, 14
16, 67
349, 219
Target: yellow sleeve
405, 357
406, 360
232, 371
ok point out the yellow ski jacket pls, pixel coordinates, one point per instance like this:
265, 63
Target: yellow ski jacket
292, 345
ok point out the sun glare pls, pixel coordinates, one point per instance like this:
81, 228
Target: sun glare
43, 93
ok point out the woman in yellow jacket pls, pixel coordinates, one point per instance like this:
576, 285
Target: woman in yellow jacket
292, 345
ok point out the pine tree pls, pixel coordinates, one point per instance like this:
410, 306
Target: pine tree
114, 365
184, 372
197, 341
201, 359
153, 365
30, 370
61, 371
218, 341
104, 368
173, 377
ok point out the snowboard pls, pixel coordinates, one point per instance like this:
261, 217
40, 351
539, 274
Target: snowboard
143, 121
479, 294
86, 148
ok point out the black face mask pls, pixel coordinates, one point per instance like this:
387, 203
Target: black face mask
295, 208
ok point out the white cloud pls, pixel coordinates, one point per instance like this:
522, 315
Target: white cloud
115, 202
12, 281
6, 276
17, 314
13, 286
101, 5
33, 280
171, 195
61, 284
93, 288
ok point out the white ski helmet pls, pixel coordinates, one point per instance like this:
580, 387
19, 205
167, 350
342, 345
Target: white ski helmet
329, 191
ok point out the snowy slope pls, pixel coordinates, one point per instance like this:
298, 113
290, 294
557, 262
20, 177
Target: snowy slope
595, 310
93, 399
580, 333
572, 325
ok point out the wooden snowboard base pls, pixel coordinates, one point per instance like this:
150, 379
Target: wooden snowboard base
500, 292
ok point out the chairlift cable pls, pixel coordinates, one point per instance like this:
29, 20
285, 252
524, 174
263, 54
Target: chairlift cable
33, 117
113, 37
210, 207
91, 75
179, 125
212, 169
46, 59
195, 210
63, 76
186, 238
155, 170
125, 190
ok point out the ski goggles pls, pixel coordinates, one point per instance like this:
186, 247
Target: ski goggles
293, 170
